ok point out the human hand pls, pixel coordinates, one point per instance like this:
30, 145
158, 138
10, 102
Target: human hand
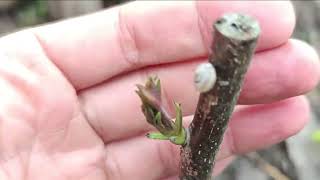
68, 106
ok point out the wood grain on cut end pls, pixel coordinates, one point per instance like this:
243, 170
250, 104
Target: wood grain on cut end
237, 26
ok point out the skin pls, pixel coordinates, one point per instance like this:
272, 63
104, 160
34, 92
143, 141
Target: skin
68, 109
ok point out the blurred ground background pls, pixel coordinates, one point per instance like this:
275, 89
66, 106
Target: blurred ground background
298, 158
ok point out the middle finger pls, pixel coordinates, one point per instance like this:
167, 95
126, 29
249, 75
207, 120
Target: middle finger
113, 108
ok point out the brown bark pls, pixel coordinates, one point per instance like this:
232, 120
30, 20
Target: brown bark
235, 38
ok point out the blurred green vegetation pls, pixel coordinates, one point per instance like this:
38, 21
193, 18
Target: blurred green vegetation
31, 12
316, 136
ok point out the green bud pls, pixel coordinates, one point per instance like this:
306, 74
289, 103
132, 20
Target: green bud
157, 116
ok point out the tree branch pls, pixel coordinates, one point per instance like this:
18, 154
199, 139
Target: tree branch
235, 38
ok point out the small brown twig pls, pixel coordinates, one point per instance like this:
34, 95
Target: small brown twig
219, 82
235, 38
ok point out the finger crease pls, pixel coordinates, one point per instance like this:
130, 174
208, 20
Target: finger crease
167, 157
128, 41
202, 26
112, 166
231, 142
46, 53
90, 117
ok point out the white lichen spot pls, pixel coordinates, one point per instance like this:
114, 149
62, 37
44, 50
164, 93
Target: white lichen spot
205, 160
211, 131
236, 60
214, 100
223, 83
205, 77
199, 152
213, 103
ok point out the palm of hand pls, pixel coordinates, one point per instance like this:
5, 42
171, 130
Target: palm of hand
44, 134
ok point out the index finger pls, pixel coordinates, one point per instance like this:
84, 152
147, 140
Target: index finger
97, 47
